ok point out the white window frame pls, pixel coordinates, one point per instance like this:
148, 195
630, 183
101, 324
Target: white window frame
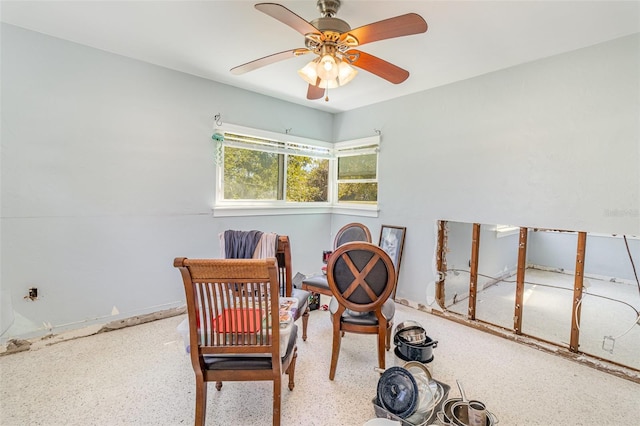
226, 208
363, 146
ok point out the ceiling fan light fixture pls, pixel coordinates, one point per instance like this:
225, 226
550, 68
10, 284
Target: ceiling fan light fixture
341, 73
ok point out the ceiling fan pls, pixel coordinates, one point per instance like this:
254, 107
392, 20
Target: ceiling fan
335, 45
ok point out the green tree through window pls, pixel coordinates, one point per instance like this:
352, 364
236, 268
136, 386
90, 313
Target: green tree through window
357, 178
250, 175
256, 175
307, 179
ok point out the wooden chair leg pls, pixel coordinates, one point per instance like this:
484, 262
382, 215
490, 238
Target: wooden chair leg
201, 401
382, 339
335, 351
291, 371
305, 322
389, 327
277, 389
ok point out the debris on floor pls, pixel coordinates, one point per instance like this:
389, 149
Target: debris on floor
16, 345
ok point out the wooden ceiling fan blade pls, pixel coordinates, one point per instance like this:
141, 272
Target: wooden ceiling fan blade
287, 17
315, 92
268, 60
403, 25
379, 67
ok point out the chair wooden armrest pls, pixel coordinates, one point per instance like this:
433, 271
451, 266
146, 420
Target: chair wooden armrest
285, 277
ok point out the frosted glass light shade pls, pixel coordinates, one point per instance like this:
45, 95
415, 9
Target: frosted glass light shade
327, 68
345, 73
328, 84
309, 73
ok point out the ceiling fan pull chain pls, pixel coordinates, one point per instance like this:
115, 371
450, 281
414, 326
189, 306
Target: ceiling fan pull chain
326, 94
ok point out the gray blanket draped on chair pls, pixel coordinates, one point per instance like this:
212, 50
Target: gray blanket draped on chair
248, 244
241, 244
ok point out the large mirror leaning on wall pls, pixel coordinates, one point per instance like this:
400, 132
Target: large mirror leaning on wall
576, 290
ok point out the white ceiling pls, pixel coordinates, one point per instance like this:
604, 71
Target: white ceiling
208, 38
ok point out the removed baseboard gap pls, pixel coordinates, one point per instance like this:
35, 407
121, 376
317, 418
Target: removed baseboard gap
20, 345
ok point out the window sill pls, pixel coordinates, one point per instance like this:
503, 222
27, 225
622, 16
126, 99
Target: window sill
262, 210
364, 210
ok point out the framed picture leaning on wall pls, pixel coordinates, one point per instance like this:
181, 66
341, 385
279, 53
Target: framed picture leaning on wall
392, 242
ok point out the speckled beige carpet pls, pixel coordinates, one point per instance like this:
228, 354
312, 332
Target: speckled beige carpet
141, 376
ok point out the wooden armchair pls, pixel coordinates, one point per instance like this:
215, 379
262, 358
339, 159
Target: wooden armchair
285, 277
234, 326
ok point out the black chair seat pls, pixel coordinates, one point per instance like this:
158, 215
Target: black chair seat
303, 301
317, 283
239, 362
364, 318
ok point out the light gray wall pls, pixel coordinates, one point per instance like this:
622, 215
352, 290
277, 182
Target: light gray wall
107, 170
552, 144
108, 175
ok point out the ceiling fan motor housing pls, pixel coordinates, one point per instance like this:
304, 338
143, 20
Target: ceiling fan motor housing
328, 7
331, 24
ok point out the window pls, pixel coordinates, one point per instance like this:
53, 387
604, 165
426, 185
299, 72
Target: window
251, 175
357, 175
258, 175
263, 170
260, 169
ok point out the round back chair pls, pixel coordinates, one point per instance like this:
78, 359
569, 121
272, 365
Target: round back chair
361, 277
351, 232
